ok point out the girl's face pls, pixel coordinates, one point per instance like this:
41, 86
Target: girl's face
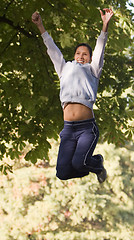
82, 55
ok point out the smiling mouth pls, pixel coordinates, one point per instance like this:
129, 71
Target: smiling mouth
80, 61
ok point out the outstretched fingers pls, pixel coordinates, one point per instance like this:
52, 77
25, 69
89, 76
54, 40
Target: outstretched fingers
108, 10
107, 15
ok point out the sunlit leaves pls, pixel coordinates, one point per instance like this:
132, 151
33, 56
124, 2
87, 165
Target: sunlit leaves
29, 90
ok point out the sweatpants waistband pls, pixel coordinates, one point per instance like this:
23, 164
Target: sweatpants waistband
80, 122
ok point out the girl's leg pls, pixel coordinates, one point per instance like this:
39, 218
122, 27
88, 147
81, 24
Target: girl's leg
83, 160
67, 148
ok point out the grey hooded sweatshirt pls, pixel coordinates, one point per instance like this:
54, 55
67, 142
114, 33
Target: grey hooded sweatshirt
78, 82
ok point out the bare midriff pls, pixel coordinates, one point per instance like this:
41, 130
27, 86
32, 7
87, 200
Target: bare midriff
77, 112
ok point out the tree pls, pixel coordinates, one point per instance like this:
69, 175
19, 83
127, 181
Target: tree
29, 87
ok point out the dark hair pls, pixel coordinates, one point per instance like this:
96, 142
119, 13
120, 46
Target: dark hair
85, 45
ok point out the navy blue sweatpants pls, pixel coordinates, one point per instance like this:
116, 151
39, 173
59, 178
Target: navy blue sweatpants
75, 157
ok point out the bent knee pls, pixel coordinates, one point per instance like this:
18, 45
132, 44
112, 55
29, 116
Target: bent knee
61, 176
62, 173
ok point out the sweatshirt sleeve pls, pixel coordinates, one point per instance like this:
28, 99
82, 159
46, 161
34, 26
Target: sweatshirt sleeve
98, 54
54, 53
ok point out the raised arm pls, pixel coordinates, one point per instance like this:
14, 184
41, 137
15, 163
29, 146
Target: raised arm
98, 54
52, 50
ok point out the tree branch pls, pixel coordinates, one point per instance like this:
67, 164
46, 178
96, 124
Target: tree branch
16, 27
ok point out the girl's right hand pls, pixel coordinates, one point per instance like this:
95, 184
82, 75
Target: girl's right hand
36, 19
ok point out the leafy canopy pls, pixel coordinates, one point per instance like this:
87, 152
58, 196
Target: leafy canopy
29, 88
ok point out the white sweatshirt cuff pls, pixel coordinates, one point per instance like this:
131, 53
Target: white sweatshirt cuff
45, 35
103, 34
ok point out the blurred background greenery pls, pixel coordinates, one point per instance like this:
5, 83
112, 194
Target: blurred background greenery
35, 205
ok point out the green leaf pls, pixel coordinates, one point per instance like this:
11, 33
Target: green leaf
29, 93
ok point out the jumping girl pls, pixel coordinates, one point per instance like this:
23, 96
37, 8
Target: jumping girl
78, 89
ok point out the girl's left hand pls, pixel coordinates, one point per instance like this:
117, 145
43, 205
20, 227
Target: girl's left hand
107, 16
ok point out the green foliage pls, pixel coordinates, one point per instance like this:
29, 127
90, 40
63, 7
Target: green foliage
35, 205
29, 108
